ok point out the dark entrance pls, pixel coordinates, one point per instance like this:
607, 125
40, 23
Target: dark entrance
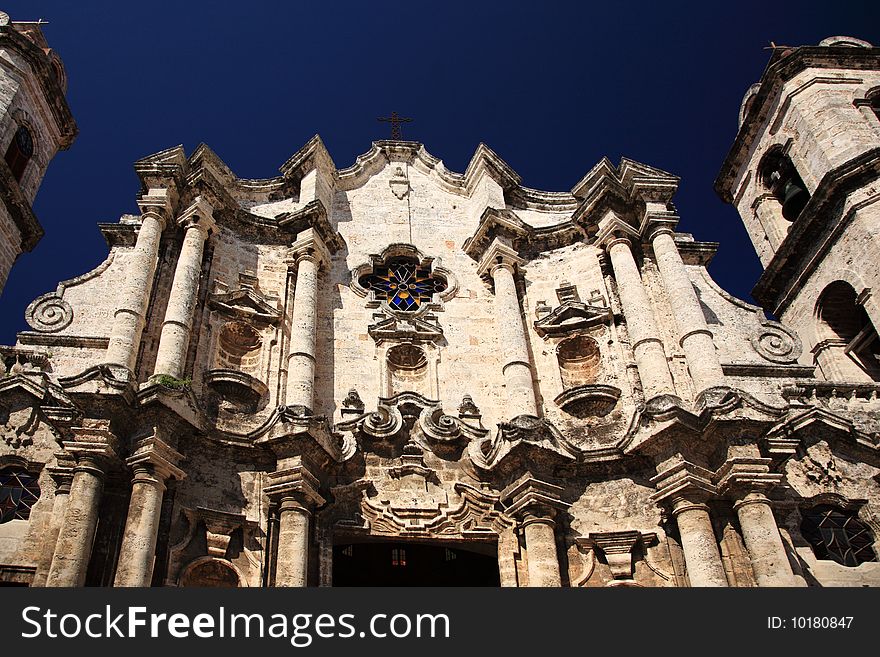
414, 564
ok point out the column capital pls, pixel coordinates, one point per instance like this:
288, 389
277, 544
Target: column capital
657, 228
684, 481
499, 254
62, 473
158, 457
308, 246
613, 240
94, 446
742, 475
293, 480
533, 500
657, 220
159, 202
199, 215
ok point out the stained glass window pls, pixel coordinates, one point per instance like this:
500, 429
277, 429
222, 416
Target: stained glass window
18, 492
837, 535
403, 284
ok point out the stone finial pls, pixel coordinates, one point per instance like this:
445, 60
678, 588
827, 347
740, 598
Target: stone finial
352, 404
468, 409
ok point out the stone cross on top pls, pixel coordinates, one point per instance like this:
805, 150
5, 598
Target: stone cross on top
395, 122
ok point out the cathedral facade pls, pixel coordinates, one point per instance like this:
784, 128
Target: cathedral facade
394, 373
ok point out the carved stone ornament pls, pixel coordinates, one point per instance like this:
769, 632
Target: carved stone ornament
409, 415
776, 343
399, 183
571, 316
49, 313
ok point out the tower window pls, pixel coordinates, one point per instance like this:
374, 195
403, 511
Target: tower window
846, 331
19, 491
20, 151
837, 535
782, 179
875, 105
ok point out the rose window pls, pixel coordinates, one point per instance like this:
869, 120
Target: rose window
403, 284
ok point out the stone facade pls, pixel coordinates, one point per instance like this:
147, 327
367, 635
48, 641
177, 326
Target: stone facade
35, 122
336, 373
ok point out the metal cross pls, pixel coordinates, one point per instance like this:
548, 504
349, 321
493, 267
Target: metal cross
395, 122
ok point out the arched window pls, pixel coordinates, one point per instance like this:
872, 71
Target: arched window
19, 491
782, 180
846, 334
838, 535
19, 153
875, 105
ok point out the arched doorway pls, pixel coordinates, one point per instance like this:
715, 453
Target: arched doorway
409, 563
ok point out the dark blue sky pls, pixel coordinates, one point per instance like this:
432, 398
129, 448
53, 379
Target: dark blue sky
551, 87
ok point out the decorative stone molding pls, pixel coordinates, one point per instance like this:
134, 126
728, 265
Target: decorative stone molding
776, 343
684, 480
618, 548
527, 440
398, 328
408, 416
246, 301
588, 400
49, 313
529, 495
420, 507
571, 316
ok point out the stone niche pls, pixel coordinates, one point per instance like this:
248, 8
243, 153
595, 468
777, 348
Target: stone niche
580, 366
233, 381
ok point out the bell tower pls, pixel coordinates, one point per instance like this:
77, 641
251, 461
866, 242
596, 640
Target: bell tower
35, 122
803, 174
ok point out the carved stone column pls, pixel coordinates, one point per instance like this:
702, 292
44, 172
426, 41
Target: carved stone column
62, 475
137, 285
94, 449
646, 343
746, 480
694, 335
686, 487
698, 542
295, 489
307, 255
536, 503
152, 463
500, 263
174, 340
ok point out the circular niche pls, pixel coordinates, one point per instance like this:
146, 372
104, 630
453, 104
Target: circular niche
239, 338
407, 357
